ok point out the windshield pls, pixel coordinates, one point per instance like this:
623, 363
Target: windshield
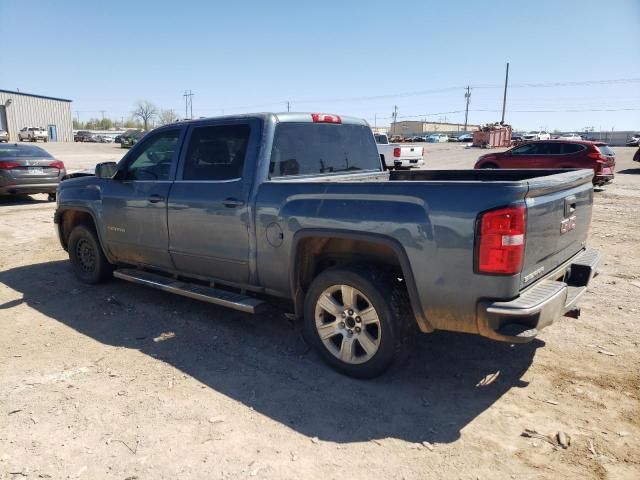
313, 148
20, 151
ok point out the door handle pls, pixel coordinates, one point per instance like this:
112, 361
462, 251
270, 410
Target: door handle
570, 204
155, 198
232, 202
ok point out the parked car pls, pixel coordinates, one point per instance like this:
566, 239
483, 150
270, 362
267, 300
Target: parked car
597, 156
634, 140
104, 138
536, 136
4, 135
465, 137
27, 169
437, 138
451, 138
129, 139
569, 136
297, 207
416, 139
32, 134
398, 156
82, 135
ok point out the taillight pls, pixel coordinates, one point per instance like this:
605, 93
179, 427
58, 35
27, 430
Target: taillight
396, 152
57, 164
8, 165
325, 118
597, 156
501, 241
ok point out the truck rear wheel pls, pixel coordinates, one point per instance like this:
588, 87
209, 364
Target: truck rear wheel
86, 255
357, 320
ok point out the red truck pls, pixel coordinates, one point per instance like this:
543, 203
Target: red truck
556, 154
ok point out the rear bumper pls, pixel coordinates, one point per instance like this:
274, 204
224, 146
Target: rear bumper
602, 179
519, 320
28, 189
413, 163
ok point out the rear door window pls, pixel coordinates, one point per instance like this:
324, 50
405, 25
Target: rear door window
553, 149
322, 149
571, 148
217, 152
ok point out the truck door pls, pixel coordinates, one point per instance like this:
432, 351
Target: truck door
208, 211
134, 203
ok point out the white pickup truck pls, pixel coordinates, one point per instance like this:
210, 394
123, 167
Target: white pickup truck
32, 134
395, 155
531, 136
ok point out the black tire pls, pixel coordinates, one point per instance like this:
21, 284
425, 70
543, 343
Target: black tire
86, 255
391, 304
489, 165
52, 197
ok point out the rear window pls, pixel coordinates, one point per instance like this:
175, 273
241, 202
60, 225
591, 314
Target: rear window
606, 150
20, 151
312, 149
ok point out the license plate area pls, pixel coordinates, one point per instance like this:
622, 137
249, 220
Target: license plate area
35, 170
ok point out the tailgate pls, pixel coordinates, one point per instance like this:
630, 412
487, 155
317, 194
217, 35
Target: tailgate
558, 218
410, 153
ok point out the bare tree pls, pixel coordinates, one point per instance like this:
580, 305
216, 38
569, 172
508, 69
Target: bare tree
167, 116
145, 111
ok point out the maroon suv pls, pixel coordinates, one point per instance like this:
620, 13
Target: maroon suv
556, 154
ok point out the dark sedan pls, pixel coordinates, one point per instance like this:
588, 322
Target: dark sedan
27, 169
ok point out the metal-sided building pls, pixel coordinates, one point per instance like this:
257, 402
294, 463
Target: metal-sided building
19, 110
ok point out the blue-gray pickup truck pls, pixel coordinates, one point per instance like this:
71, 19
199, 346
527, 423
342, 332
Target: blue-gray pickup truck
237, 211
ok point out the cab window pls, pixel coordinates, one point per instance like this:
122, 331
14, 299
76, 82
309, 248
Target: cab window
153, 161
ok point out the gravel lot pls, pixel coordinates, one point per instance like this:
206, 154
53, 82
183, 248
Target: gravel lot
119, 381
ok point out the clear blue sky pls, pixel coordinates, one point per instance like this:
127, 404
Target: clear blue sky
243, 56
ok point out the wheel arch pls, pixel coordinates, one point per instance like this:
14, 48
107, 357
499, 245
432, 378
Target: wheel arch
312, 248
67, 218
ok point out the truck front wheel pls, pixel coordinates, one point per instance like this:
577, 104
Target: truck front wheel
87, 259
357, 319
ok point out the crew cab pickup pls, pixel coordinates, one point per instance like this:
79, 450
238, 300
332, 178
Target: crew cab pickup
33, 134
394, 155
241, 210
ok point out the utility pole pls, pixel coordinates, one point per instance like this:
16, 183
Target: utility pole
467, 96
102, 112
78, 116
394, 116
288, 106
188, 103
375, 120
504, 99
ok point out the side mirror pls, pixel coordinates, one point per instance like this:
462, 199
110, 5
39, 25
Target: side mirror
106, 169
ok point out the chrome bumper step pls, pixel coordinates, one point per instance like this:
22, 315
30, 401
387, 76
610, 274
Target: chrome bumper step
192, 290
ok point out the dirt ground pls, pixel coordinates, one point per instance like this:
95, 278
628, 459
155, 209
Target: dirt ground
119, 381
